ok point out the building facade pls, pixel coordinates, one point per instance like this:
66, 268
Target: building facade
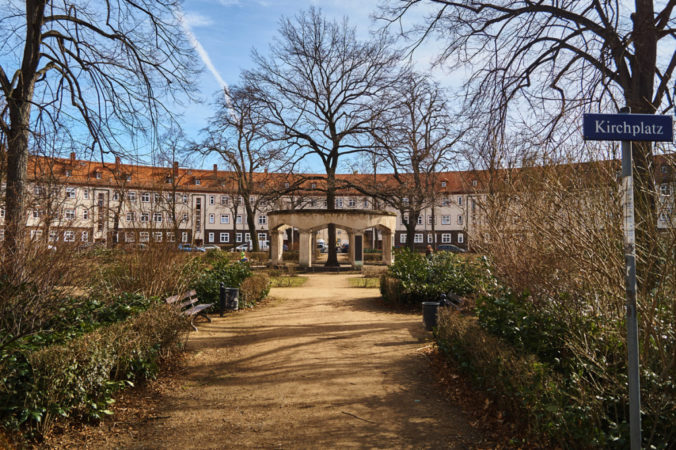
84, 202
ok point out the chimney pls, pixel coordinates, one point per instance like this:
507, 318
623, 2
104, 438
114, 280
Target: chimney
72, 158
215, 169
117, 164
175, 169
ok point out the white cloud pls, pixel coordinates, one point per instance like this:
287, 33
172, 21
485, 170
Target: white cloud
194, 20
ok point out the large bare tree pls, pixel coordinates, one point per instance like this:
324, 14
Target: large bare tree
238, 133
92, 67
415, 137
319, 85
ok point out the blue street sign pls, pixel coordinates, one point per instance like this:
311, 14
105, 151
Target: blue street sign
628, 127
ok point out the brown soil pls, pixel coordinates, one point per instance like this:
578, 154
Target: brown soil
326, 367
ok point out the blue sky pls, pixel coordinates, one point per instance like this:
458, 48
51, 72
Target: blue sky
225, 31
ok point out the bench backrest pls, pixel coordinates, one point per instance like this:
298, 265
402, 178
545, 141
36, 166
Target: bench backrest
189, 295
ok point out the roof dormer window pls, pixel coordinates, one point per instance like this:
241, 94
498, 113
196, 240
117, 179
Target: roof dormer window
69, 173
128, 178
198, 181
98, 174
443, 184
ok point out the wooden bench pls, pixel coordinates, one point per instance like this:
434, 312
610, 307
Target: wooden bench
186, 302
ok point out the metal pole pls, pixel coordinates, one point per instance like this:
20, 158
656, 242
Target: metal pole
630, 283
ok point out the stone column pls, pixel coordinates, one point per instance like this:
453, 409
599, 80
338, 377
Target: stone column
388, 258
305, 249
276, 247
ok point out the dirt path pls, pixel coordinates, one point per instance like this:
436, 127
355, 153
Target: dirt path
326, 368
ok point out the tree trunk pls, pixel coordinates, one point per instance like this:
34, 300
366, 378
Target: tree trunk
19, 105
332, 257
251, 222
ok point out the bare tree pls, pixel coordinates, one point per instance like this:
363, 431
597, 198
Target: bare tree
537, 62
319, 86
106, 63
238, 134
416, 138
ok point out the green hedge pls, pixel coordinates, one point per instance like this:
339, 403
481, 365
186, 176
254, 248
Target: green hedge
78, 377
531, 360
531, 392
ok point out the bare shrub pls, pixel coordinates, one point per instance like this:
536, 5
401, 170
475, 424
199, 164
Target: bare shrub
32, 286
156, 271
554, 232
254, 289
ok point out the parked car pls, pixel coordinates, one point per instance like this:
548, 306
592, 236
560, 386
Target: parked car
190, 248
450, 248
241, 248
211, 247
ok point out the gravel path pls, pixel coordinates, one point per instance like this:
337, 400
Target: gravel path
326, 367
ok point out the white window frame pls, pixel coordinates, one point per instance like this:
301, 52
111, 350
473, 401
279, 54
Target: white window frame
129, 236
238, 221
224, 200
247, 237
158, 217
461, 238
145, 197
430, 219
446, 220
171, 237
402, 238
459, 200
446, 238
421, 218
69, 214
131, 216
85, 214
69, 236
212, 199
144, 236
157, 236
84, 236
131, 196
211, 237
71, 192
430, 238
460, 219
145, 217
225, 218
212, 218
238, 237
184, 236
418, 238
262, 219
224, 237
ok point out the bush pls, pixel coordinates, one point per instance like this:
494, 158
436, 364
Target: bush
78, 377
422, 278
534, 395
232, 274
254, 289
158, 271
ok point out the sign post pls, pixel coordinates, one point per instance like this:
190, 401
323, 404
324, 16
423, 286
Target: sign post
626, 128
